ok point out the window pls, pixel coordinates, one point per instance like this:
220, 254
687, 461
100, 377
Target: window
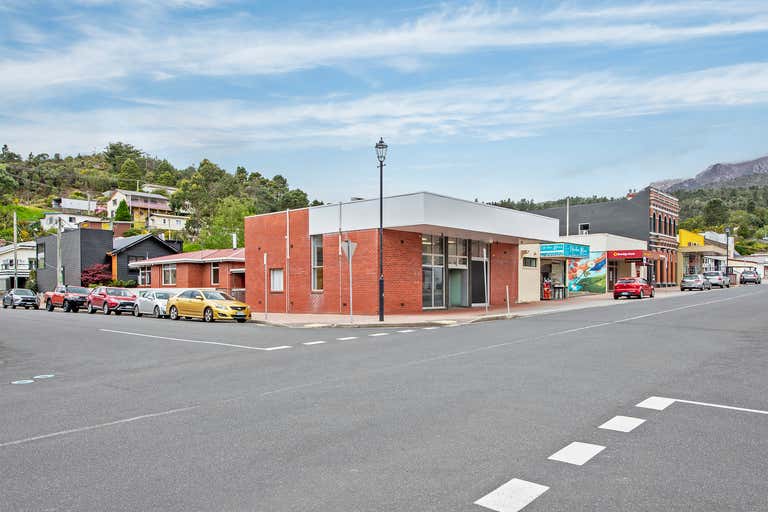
41, 256
432, 250
169, 274
72, 220
529, 262
584, 228
457, 253
145, 275
214, 273
276, 280
317, 262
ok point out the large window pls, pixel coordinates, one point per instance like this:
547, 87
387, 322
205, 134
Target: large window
457, 253
41, 256
276, 280
169, 274
145, 276
214, 273
432, 272
317, 262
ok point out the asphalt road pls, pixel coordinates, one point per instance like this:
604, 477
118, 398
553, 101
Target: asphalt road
146, 414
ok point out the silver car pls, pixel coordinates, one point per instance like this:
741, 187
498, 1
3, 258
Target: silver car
717, 278
695, 282
152, 302
22, 298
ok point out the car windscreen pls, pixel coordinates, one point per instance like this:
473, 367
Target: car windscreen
78, 289
712, 274
118, 292
692, 277
217, 296
626, 281
163, 295
22, 291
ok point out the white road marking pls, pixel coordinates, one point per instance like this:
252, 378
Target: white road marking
659, 403
656, 403
379, 334
100, 425
431, 328
194, 341
23, 381
347, 338
512, 496
622, 423
406, 331
313, 343
577, 453
46, 376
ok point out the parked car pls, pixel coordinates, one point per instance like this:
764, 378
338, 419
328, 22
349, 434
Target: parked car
695, 282
210, 305
717, 278
20, 297
749, 276
109, 299
153, 302
632, 287
70, 298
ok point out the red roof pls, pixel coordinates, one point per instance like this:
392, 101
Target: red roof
204, 256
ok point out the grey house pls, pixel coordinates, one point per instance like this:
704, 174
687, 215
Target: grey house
80, 249
128, 249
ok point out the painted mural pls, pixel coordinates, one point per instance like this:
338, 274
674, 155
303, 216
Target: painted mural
588, 275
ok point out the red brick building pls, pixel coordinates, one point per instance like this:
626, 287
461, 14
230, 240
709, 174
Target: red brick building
223, 269
439, 252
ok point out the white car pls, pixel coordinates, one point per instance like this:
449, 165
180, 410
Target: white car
152, 302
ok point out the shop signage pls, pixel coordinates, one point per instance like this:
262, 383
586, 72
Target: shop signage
564, 250
635, 254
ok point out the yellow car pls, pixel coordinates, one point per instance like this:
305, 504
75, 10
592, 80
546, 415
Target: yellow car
209, 305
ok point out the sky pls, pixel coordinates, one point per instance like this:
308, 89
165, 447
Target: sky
479, 100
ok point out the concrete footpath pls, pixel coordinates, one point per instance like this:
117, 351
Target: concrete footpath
451, 316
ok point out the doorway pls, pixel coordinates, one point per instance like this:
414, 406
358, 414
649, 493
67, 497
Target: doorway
457, 287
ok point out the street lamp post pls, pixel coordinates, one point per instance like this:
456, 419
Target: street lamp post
381, 154
727, 248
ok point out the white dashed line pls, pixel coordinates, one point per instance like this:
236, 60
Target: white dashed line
46, 376
577, 453
430, 328
406, 331
313, 343
622, 424
656, 403
379, 334
246, 347
347, 338
512, 496
23, 381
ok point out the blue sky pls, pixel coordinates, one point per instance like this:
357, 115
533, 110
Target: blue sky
482, 100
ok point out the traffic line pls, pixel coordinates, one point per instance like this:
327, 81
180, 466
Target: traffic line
379, 334
577, 453
660, 403
246, 347
99, 425
512, 496
406, 331
313, 343
622, 424
347, 338
431, 328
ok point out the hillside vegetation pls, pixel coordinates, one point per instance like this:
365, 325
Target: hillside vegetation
216, 199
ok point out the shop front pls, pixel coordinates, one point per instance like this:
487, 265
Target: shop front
630, 263
555, 262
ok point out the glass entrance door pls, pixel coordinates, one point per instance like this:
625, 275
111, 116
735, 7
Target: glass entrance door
433, 289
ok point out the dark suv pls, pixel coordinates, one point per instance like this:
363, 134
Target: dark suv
749, 276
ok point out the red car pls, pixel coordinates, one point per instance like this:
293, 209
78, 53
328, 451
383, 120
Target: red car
71, 298
632, 287
109, 299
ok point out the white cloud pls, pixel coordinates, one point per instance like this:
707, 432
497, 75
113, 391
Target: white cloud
481, 112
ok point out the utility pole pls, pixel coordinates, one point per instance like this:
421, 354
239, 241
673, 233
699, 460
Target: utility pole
59, 276
567, 216
15, 248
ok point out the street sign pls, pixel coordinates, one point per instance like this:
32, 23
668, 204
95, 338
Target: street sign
348, 248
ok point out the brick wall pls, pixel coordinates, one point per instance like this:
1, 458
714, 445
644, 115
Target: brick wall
197, 275
504, 270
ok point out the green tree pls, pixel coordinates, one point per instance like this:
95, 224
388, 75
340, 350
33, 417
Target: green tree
166, 174
122, 213
116, 153
227, 219
715, 212
7, 183
130, 172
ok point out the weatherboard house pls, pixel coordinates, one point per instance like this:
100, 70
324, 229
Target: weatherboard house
439, 252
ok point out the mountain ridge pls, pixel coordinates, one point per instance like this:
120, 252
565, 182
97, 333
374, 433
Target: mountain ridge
721, 175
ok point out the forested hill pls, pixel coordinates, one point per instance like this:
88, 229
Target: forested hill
217, 199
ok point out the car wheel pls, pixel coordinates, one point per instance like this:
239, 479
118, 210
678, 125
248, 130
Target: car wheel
66, 307
642, 295
13, 306
241, 320
105, 309
174, 313
157, 312
75, 309
49, 305
208, 315
37, 307
5, 306
136, 311
653, 293
91, 309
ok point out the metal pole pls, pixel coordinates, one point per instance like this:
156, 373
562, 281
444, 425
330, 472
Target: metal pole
287, 258
567, 216
507, 287
341, 293
59, 276
485, 278
266, 284
381, 241
349, 264
15, 247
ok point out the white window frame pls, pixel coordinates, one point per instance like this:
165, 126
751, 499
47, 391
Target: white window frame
315, 267
145, 276
276, 285
168, 268
215, 265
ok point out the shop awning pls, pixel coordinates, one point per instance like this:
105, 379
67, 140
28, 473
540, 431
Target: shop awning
704, 250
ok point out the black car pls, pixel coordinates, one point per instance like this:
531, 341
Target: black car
20, 297
749, 276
